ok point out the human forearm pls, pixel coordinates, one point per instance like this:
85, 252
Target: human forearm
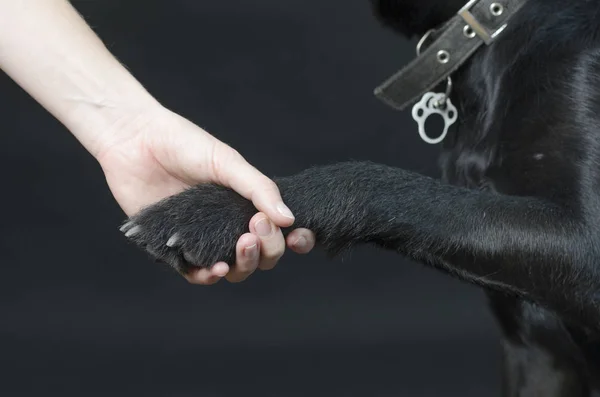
50, 51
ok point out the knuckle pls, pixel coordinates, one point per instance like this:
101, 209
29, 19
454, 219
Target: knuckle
238, 277
275, 252
270, 185
193, 281
217, 170
268, 264
199, 279
223, 156
274, 248
245, 269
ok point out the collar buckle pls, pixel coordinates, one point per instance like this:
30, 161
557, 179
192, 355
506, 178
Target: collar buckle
480, 21
485, 35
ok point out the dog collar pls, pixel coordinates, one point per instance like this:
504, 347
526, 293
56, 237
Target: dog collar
479, 22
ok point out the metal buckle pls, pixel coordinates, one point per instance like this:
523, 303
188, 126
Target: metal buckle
487, 36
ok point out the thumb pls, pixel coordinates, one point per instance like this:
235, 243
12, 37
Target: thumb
233, 171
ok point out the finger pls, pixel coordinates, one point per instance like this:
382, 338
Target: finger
272, 243
301, 241
205, 276
234, 171
247, 256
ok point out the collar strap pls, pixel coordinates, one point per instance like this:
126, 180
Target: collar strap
478, 22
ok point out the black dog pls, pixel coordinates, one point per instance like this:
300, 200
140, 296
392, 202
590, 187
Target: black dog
517, 212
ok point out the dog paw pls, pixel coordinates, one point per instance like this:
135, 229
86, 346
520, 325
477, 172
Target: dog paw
196, 228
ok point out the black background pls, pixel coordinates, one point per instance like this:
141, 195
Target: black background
289, 84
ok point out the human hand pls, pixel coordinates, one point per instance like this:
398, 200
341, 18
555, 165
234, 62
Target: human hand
147, 152
160, 153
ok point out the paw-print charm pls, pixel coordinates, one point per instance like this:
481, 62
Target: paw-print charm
429, 105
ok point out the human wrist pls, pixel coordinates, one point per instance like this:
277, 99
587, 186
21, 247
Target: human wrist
49, 50
99, 127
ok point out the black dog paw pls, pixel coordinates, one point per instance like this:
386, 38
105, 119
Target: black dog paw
196, 228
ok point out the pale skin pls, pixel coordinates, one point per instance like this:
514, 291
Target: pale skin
146, 151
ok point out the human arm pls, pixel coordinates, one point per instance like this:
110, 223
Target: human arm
146, 151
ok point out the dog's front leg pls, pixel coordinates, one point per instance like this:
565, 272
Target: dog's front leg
524, 246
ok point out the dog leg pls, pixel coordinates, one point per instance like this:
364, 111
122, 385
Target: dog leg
541, 359
524, 246
530, 371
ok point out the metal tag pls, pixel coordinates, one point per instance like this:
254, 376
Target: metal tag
433, 103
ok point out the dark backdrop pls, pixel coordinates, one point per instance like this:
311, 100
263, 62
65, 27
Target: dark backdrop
289, 84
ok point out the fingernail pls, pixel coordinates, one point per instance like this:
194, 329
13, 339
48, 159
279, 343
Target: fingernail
251, 251
285, 211
263, 227
301, 242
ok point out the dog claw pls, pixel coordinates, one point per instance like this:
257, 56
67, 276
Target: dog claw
188, 257
173, 240
126, 226
134, 230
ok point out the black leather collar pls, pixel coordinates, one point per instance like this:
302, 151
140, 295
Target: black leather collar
478, 22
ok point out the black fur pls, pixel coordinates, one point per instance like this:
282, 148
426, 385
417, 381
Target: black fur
517, 211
